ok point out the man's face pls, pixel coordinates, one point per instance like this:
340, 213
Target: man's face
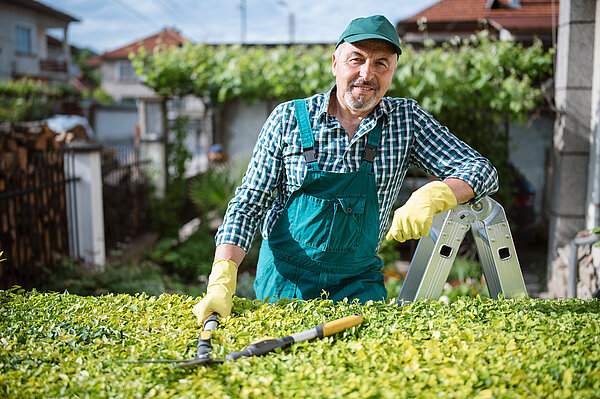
363, 73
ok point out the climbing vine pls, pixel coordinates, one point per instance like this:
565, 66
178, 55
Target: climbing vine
475, 86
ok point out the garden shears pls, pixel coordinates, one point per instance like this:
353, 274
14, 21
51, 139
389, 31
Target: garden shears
258, 347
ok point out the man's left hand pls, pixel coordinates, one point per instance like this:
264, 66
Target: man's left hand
413, 219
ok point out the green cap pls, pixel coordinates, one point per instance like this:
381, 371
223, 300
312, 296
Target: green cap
373, 27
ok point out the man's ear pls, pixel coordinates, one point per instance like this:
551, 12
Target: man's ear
333, 62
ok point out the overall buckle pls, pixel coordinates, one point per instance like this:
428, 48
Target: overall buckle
310, 155
369, 153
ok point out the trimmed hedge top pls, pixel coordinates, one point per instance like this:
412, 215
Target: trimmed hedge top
62, 345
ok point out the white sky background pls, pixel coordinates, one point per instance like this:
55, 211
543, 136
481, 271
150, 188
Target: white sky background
109, 24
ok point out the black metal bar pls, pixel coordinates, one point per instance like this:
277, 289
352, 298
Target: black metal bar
28, 190
125, 195
121, 167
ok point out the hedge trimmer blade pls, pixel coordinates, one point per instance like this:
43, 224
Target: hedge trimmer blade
198, 362
203, 349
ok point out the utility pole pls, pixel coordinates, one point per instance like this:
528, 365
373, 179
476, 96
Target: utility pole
291, 19
243, 20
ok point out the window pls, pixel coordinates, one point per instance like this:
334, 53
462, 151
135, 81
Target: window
23, 40
125, 70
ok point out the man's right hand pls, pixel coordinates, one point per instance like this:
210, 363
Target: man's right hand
219, 292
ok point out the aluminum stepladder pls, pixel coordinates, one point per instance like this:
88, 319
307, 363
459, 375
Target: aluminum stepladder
436, 252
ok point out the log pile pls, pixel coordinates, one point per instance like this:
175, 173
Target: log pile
33, 216
18, 140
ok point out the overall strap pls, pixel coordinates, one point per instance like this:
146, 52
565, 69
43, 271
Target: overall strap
306, 135
372, 146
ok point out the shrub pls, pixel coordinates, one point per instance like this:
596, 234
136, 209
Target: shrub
62, 345
27, 100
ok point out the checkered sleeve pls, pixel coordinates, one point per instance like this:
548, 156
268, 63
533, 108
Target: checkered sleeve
440, 153
254, 196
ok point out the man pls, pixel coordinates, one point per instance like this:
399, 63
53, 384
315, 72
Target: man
336, 161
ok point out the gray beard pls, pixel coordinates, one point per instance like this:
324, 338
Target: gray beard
359, 104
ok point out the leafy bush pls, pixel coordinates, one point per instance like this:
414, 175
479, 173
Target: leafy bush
27, 100
62, 345
464, 269
189, 259
146, 277
211, 190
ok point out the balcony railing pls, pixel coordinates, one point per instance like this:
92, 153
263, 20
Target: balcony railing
47, 65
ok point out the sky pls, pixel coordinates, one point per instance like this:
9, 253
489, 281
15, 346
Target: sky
109, 24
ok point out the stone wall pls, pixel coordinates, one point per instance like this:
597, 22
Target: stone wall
588, 283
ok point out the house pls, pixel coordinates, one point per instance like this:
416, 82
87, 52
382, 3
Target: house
118, 74
26, 50
520, 20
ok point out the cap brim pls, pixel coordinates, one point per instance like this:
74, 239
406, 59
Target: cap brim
366, 36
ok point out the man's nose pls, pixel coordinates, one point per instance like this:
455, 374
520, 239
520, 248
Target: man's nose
366, 71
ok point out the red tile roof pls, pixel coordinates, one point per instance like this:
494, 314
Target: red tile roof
534, 14
166, 37
37, 6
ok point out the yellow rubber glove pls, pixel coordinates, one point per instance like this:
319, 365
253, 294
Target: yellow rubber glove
219, 292
413, 219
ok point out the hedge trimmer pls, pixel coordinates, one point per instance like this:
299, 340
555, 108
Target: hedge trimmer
258, 347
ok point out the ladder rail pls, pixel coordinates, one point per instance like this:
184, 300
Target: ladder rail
435, 253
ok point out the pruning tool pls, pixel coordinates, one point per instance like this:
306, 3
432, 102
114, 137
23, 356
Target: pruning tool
258, 347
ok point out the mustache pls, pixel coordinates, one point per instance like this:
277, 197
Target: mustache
362, 82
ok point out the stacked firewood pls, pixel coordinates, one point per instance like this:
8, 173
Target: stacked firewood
33, 215
18, 140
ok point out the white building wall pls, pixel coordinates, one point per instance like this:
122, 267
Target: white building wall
242, 123
118, 88
11, 62
115, 124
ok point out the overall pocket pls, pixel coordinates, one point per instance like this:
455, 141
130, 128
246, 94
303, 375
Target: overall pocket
332, 225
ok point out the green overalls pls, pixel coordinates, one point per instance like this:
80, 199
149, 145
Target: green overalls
324, 243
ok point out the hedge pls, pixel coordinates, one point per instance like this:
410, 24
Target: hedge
63, 345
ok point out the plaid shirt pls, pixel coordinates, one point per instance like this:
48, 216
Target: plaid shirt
410, 137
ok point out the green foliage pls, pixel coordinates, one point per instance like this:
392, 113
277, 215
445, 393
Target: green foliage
460, 290
2, 253
27, 100
147, 276
464, 269
475, 87
189, 259
62, 345
90, 73
211, 190
167, 211
389, 252
98, 94
223, 73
